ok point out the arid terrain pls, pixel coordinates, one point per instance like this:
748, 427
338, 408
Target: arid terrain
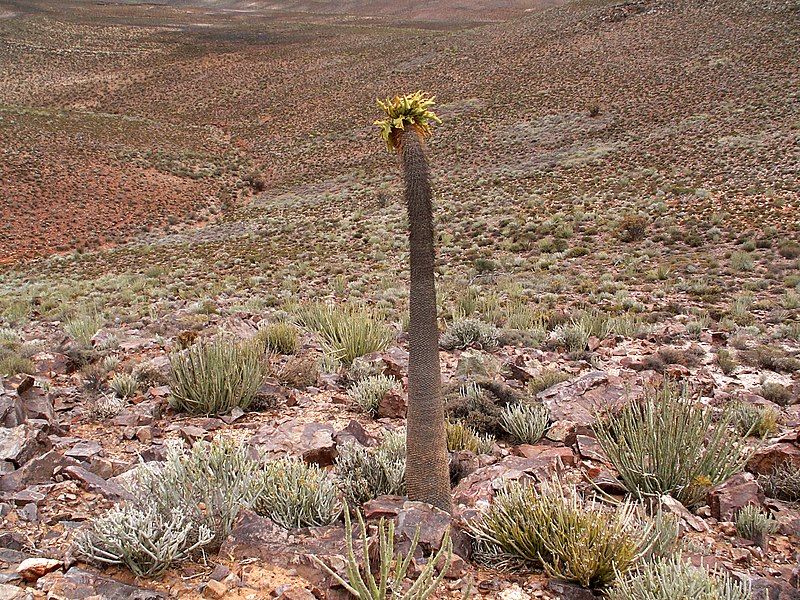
617, 189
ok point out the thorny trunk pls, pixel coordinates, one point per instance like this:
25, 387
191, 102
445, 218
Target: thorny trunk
427, 467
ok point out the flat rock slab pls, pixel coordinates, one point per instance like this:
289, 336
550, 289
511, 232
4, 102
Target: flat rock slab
77, 584
313, 441
580, 399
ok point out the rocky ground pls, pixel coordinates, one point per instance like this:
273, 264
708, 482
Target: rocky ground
636, 160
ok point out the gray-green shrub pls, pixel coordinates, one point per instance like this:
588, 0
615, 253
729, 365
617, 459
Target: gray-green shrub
295, 494
368, 392
213, 377
672, 578
366, 473
556, 529
525, 423
668, 444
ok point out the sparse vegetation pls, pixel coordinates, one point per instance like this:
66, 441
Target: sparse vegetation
347, 332
755, 420
124, 385
753, 523
783, 482
281, 338
366, 473
360, 573
295, 494
463, 437
463, 333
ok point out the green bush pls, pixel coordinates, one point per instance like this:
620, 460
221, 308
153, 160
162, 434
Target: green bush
554, 528
368, 392
211, 378
463, 437
280, 338
753, 523
295, 494
392, 568
673, 579
667, 444
463, 333
124, 385
525, 423
83, 328
347, 332
366, 473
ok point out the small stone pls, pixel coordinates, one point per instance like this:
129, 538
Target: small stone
32, 569
215, 589
11, 592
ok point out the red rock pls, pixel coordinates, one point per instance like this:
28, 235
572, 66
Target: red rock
215, 589
393, 405
730, 496
764, 460
32, 569
589, 447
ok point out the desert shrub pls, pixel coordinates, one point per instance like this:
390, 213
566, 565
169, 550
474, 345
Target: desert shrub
524, 317
295, 494
726, 361
12, 363
83, 328
741, 261
664, 529
556, 529
300, 371
546, 378
689, 357
347, 332
208, 483
474, 406
463, 437
667, 444
281, 338
753, 523
524, 422
391, 567
750, 419
463, 333
789, 249
145, 541
772, 358
106, 407
672, 578
632, 228
526, 338
214, 377
783, 482
775, 392
573, 336
366, 473
368, 392
124, 385
361, 368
